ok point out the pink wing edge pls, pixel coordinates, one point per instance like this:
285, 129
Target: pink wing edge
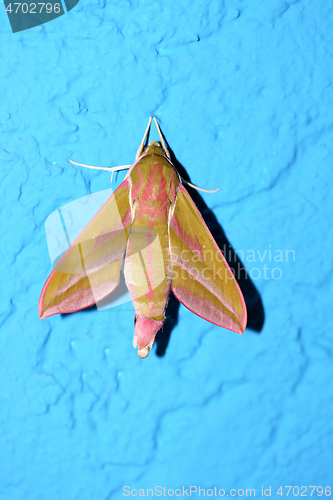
244, 322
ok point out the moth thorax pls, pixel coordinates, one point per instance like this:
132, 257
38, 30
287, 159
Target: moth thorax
154, 148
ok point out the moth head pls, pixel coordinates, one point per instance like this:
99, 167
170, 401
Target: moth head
154, 148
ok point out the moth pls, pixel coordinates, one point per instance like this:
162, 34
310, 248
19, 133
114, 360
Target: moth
150, 225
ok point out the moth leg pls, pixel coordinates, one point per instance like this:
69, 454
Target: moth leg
139, 152
111, 169
161, 139
200, 189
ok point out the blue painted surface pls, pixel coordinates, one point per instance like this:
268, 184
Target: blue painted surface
243, 92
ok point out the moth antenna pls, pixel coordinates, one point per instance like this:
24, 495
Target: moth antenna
161, 139
200, 189
111, 169
139, 151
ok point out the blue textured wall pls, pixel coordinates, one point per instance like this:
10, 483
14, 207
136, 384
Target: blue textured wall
243, 91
